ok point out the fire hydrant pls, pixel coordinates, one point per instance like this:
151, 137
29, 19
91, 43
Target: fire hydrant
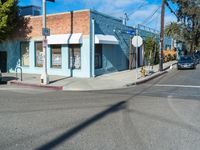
143, 72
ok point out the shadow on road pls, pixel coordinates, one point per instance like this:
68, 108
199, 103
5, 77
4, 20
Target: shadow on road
70, 133
122, 105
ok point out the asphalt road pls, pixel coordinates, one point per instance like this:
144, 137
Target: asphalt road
162, 114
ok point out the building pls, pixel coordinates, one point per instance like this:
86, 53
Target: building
82, 43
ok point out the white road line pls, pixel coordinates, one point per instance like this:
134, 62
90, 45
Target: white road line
171, 85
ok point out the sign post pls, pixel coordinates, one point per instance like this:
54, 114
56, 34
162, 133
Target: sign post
137, 42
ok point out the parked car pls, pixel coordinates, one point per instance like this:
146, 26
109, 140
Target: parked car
196, 58
186, 62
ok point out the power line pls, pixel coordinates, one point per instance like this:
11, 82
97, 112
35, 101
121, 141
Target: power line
139, 7
126, 16
172, 11
152, 19
148, 18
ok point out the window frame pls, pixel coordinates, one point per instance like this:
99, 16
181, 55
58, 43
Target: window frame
22, 42
71, 47
51, 54
36, 54
99, 47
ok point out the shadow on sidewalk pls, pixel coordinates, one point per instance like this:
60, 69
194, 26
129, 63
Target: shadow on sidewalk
6, 79
53, 81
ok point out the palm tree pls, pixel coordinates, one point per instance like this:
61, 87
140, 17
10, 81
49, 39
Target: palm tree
173, 30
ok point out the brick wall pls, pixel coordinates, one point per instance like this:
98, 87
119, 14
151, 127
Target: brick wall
72, 22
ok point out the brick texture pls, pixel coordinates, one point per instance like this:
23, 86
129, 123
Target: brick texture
72, 22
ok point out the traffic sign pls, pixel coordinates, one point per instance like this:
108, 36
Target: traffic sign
45, 31
137, 41
131, 32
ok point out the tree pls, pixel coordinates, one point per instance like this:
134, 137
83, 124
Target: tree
9, 18
188, 14
173, 30
151, 50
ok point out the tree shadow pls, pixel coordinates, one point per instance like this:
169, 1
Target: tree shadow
23, 29
70, 133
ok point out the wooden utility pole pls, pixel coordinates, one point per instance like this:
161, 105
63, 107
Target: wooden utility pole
162, 35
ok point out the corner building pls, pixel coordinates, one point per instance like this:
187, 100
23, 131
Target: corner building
82, 43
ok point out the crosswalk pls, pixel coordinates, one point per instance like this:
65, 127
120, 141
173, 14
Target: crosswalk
177, 85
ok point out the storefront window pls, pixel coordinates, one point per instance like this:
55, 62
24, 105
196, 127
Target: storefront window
38, 54
98, 56
75, 56
56, 58
24, 49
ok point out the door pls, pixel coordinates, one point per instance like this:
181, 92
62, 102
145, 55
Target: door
3, 61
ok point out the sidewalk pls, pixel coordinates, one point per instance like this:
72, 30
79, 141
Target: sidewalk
108, 81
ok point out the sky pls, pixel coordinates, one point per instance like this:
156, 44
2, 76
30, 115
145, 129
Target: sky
139, 11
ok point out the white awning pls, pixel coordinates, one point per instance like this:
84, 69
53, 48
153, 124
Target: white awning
105, 39
65, 39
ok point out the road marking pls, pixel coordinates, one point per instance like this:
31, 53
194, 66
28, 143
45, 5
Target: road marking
177, 85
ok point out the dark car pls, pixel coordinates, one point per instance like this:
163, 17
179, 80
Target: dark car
196, 58
186, 62
0, 76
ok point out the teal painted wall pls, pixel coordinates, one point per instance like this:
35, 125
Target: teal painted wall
115, 57
13, 59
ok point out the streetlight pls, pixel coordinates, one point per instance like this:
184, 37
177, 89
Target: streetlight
45, 32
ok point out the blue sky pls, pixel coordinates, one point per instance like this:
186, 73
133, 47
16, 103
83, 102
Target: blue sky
112, 7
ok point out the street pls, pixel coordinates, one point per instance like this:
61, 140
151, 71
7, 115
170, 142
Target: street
162, 114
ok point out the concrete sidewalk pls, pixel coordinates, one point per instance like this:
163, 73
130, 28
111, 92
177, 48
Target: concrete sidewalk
108, 81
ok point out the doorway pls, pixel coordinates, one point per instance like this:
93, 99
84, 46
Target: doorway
3, 61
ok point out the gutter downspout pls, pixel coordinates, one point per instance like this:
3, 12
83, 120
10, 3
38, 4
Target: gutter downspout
93, 49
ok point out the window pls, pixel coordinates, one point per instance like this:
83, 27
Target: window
75, 56
38, 54
98, 56
24, 51
56, 58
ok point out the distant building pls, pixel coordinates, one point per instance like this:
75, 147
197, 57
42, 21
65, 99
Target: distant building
30, 10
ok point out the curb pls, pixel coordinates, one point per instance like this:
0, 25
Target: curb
152, 76
13, 82
147, 79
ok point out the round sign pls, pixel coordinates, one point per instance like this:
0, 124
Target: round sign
137, 41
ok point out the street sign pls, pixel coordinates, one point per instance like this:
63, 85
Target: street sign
45, 31
45, 43
131, 32
137, 41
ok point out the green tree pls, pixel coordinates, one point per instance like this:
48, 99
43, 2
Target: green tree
173, 30
151, 50
188, 14
9, 18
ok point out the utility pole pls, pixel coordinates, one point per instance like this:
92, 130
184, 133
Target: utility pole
162, 35
44, 76
44, 79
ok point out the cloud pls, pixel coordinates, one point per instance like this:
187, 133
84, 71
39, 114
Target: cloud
138, 10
